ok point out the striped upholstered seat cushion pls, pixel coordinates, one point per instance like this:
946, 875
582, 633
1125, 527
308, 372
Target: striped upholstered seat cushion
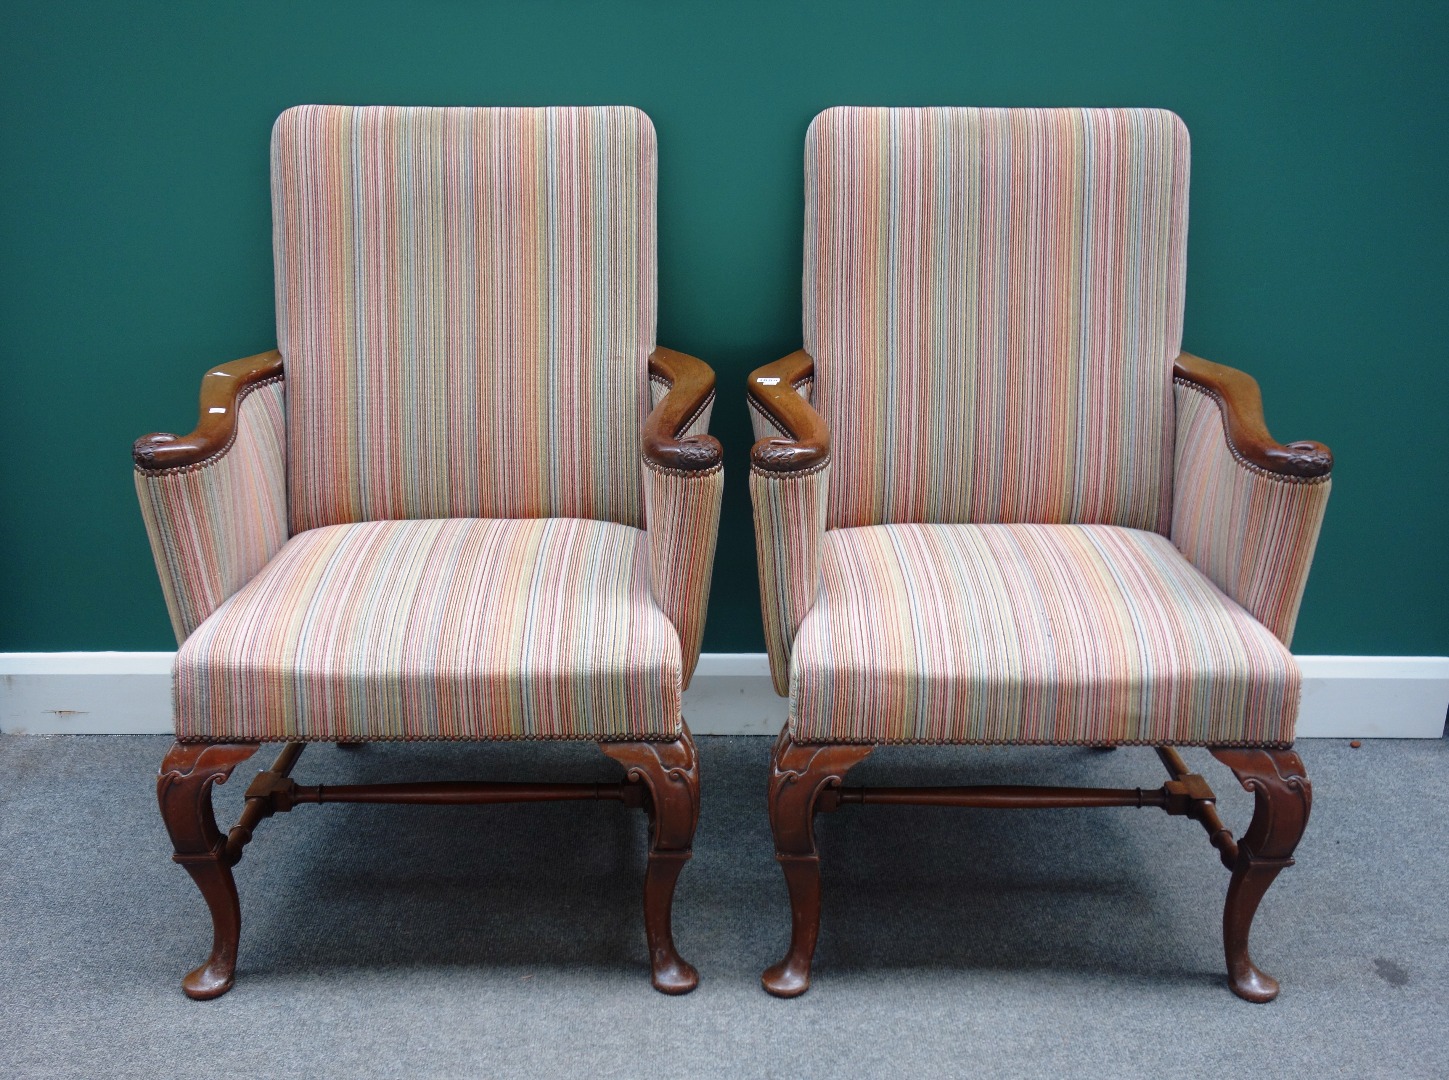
438, 629
1031, 634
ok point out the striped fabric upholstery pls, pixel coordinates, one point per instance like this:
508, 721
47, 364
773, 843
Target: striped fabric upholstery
683, 511
1251, 532
213, 526
466, 305
789, 540
789, 532
442, 629
993, 298
1031, 634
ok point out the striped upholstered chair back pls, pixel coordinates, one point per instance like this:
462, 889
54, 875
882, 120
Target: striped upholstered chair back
465, 308
993, 298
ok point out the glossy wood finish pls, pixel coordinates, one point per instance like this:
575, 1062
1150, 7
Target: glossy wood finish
799, 776
1283, 798
259, 805
772, 390
1201, 805
670, 774
661, 778
989, 797
450, 793
808, 779
691, 389
222, 391
183, 788
1241, 402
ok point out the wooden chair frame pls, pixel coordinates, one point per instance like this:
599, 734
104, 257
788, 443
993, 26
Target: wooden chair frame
806, 779
662, 778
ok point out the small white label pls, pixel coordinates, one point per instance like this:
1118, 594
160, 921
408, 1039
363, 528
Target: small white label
215, 408
768, 382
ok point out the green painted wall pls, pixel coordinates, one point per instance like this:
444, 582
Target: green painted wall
134, 231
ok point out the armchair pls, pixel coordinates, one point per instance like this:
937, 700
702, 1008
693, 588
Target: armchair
466, 498
995, 503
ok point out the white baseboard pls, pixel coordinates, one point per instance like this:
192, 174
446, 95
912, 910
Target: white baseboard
116, 693
1373, 697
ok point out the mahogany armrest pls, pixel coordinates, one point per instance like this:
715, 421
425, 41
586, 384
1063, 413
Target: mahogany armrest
772, 390
1241, 403
222, 389
691, 390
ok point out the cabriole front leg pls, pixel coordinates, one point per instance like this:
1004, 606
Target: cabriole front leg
1283, 798
183, 788
798, 776
670, 774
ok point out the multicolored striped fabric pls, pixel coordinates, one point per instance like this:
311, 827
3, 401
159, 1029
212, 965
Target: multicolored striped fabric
442, 629
1084, 634
993, 298
1251, 532
466, 304
683, 512
789, 540
789, 532
213, 526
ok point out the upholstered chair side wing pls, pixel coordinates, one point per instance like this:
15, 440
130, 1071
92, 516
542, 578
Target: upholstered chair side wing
789, 480
1246, 509
683, 485
215, 501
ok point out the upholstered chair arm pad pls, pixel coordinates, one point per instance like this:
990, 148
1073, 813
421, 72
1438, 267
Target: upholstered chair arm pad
1246, 510
215, 501
792, 435
683, 484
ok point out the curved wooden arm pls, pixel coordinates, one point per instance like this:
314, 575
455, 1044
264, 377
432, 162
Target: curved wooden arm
1241, 402
222, 389
691, 388
772, 391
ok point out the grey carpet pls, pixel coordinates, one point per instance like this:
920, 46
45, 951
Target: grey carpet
507, 941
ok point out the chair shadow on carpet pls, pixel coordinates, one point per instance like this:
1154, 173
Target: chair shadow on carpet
338, 887
551, 888
1120, 892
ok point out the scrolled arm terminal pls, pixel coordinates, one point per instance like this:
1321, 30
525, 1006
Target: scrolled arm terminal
667, 444
1241, 403
773, 392
222, 390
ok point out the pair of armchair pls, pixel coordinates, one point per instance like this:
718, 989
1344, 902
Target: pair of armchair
468, 497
